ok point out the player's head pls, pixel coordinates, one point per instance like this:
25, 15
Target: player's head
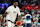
15, 3
27, 12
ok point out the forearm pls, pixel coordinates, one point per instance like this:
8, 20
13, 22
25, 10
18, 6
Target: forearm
5, 14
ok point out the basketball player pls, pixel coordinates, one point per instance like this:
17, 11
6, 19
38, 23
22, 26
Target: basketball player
28, 19
11, 14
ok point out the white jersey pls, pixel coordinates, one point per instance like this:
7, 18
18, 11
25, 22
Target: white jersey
12, 13
28, 18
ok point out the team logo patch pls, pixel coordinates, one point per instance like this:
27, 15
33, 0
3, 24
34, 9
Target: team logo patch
14, 12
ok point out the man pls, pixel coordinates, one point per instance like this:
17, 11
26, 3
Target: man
38, 25
35, 21
28, 19
11, 14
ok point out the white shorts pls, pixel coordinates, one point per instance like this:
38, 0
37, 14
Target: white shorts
9, 24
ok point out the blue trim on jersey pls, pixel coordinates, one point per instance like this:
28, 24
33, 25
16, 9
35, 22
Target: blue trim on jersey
28, 18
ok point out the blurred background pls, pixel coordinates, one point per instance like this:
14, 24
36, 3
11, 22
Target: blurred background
31, 6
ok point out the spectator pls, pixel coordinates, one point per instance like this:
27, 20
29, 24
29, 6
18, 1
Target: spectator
26, 11
31, 7
23, 9
36, 7
3, 11
27, 7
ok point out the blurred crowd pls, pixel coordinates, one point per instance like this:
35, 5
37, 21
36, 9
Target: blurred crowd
26, 6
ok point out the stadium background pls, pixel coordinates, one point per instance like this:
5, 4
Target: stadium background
31, 6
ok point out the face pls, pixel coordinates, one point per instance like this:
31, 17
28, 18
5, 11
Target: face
15, 3
27, 12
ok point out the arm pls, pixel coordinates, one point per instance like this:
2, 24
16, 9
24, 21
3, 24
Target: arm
7, 11
5, 15
19, 17
19, 14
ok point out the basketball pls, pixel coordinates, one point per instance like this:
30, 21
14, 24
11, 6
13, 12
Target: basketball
18, 23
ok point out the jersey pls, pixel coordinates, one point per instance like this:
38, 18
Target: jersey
28, 18
12, 13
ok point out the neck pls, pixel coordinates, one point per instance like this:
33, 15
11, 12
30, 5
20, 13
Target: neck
14, 6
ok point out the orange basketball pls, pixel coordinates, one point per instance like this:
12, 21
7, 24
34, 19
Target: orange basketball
18, 23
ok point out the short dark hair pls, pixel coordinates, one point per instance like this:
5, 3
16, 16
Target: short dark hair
14, 1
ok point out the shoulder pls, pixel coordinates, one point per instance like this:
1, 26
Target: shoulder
10, 6
18, 8
27, 15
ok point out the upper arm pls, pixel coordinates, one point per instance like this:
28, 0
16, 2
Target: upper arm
8, 10
19, 13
